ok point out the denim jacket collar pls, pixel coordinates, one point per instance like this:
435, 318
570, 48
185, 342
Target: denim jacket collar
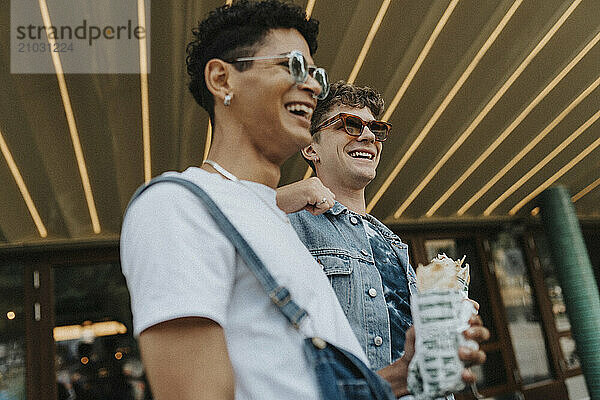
339, 208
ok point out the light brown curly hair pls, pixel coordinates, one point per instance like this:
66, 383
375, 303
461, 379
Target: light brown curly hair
342, 93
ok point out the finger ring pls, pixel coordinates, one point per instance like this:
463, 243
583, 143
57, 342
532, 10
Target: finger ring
323, 201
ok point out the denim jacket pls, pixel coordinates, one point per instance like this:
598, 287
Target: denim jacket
337, 239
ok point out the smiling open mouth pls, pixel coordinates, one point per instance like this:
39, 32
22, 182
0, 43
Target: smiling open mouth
300, 110
361, 154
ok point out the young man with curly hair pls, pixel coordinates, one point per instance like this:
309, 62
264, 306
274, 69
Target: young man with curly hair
207, 328
367, 263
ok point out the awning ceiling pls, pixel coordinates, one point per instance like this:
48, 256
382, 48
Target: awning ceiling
491, 102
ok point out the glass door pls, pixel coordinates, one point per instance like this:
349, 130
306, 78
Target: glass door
96, 354
521, 363
524, 322
520, 288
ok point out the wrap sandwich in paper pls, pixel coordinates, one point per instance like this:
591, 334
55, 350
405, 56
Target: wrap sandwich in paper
440, 314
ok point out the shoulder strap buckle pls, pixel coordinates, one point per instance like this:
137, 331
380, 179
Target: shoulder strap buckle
280, 296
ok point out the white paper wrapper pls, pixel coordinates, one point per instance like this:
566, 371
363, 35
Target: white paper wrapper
440, 316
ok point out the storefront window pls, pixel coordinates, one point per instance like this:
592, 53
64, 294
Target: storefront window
96, 354
524, 322
567, 345
12, 333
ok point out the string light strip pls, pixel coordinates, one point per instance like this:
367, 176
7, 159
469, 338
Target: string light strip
555, 177
510, 129
369, 40
442, 107
12, 166
144, 97
528, 148
422, 55
309, 8
586, 190
532, 171
64, 93
485, 111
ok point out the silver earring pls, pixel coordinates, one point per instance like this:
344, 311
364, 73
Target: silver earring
227, 99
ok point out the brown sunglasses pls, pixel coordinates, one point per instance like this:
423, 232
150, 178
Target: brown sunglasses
354, 125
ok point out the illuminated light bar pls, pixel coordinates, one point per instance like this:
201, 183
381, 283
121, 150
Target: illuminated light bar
309, 8
508, 131
556, 176
228, 2
527, 148
417, 65
308, 173
442, 107
535, 211
369, 40
457, 86
64, 93
488, 107
12, 166
88, 330
144, 93
208, 141
541, 164
586, 190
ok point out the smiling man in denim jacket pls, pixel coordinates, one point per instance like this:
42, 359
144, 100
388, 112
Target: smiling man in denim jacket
367, 263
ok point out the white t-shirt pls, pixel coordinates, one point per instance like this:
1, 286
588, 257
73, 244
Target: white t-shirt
178, 263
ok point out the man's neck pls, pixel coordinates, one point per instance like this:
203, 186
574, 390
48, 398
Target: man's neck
246, 163
353, 199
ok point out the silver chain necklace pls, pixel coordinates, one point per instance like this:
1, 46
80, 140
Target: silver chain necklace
228, 175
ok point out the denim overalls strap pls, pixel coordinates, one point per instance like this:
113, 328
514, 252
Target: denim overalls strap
278, 294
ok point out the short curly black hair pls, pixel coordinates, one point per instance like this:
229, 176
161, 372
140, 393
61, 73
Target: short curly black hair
342, 93
233, 31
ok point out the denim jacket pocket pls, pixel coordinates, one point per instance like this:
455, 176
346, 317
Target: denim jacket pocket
338, 270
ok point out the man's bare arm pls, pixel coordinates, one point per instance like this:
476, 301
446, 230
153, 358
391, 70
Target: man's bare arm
186, 359
308, 194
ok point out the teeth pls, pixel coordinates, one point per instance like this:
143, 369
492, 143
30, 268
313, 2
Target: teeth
300, 108
361, 154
